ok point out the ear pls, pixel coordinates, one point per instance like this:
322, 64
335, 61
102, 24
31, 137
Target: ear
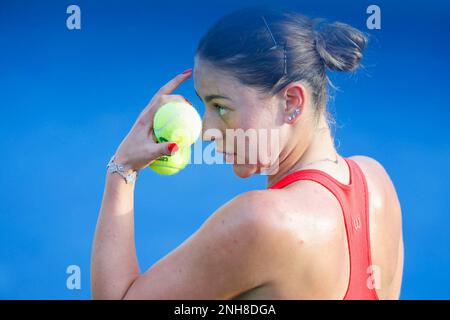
295, 94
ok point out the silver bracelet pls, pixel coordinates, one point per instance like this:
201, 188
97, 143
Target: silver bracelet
130, 177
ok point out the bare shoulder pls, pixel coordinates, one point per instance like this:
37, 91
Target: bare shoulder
370, 163
289, 219
269, 221
385, 225
252, 210
240, 217
384, 196
250, 221
268, 210
246, 235
374, 171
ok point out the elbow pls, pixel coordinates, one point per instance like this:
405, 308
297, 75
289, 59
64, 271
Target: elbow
128, 293
112, 292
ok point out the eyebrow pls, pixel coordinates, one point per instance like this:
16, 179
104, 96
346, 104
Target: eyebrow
211, 97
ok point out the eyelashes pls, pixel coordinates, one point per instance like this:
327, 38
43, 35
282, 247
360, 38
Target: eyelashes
220, 109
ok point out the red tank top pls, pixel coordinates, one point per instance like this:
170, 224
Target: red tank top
354, 201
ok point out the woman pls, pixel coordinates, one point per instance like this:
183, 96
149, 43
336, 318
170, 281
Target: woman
326, 227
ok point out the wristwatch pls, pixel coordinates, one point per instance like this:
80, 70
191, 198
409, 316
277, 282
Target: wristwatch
129, 175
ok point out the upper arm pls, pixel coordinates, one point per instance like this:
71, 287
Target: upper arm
225, 257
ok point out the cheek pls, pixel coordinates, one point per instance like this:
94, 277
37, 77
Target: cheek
252, 118
261, 134
267, 135
213, 127
261, 148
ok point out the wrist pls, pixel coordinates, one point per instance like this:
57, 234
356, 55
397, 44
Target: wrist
116, 165
120, 160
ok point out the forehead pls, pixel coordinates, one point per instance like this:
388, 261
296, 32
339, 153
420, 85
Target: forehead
210, 80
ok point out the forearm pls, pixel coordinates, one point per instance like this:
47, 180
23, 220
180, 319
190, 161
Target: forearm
114, 265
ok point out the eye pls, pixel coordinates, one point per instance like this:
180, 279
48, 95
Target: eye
220, 109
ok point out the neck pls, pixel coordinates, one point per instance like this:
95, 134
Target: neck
320, 148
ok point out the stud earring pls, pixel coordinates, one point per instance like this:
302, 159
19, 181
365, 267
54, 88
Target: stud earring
296, 113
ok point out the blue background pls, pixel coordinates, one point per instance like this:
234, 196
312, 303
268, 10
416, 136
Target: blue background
68, 98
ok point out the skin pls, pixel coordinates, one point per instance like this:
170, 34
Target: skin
263, 244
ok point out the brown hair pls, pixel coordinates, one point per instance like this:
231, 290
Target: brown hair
269, 48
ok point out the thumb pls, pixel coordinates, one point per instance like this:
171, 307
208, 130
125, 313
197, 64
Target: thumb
167, 148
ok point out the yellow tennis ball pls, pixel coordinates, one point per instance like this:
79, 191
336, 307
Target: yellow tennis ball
172, 164
178, 122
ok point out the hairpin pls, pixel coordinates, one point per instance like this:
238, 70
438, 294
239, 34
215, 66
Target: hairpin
276, 46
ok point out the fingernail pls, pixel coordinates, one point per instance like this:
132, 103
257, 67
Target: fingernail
188, 101
173, 147
187, 71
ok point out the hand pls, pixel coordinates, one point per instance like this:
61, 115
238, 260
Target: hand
139, 148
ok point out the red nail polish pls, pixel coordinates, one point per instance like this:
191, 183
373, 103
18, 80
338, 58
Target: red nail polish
188, 101
187, 71
173, 147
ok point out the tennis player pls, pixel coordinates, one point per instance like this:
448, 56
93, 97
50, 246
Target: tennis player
326, 226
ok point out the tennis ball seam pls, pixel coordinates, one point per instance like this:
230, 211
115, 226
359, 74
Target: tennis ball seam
172, 118
168, 121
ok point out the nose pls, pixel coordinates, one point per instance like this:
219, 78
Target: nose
210, 129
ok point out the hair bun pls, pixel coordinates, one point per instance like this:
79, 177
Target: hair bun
340, 46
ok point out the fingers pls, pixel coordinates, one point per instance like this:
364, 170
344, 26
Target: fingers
170, 86
168, 98
163, 96
164, 149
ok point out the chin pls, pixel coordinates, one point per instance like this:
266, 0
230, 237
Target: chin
245, 170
